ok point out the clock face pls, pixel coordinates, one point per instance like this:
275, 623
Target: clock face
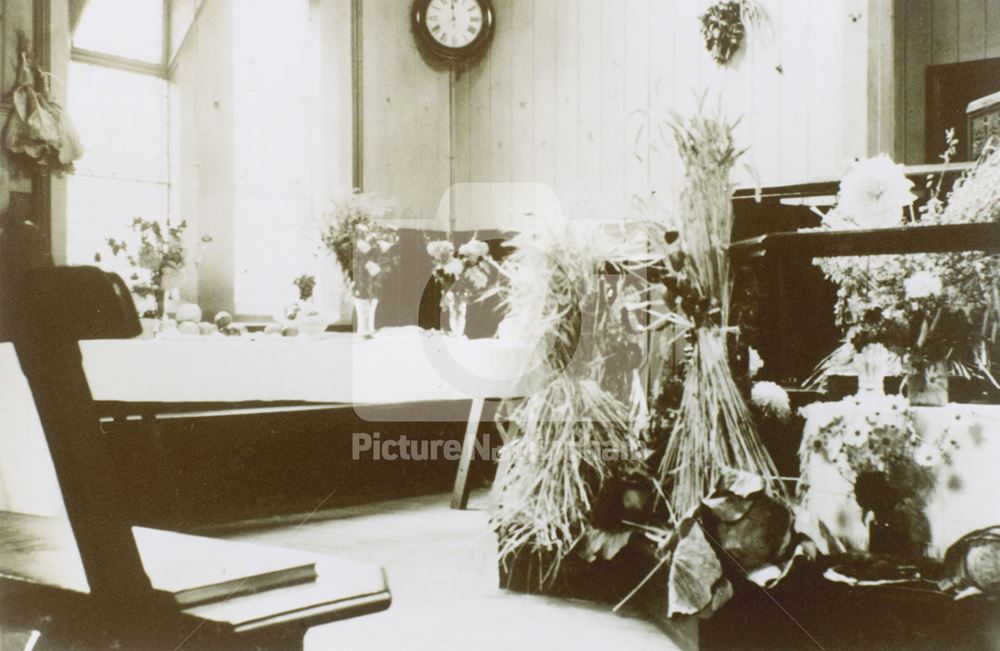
454, 23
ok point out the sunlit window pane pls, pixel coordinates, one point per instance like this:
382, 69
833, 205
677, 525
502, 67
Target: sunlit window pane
125, 28
122, 120
274, 129
123, 123
273, 245
101, 207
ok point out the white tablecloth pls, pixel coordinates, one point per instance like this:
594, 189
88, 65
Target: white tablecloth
966, 493
396, 366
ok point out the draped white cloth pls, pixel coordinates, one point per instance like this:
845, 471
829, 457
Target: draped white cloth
966, 493
397, 366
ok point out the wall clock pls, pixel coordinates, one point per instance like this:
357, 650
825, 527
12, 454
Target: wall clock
452, 31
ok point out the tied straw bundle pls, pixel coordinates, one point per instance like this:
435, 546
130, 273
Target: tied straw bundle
714, 430
554, 291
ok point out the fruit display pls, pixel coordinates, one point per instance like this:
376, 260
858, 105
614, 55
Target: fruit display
188, 312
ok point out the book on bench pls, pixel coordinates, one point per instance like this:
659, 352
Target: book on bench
192, 570
197, 570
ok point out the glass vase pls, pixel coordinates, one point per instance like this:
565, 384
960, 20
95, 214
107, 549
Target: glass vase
871, 364
364, 314
160, 298
902, 533
458, 307
927, 384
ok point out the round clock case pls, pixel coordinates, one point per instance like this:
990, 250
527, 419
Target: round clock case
452, 31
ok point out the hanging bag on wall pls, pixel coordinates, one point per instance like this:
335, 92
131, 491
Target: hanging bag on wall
38, 130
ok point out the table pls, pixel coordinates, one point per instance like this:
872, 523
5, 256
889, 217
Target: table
397, 366
964, 495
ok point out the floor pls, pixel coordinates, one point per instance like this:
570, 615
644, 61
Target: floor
442, 571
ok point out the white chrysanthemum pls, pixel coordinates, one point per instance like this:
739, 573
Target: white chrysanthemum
363, 246
771, 399
384, 246
874, 192
372, 268
440, 251
922, 284
474, 249
477, 277
454, 267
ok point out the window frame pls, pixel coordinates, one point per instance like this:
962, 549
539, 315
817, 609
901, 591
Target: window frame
160, 69
118, 63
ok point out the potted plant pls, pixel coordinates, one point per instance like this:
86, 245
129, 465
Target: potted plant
159, 251
309, 321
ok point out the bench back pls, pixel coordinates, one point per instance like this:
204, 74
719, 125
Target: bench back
55, 308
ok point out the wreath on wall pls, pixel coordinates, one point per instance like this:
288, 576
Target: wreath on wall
724, 24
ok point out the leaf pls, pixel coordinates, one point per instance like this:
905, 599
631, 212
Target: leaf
769, 576
728, 508
598, 543
742, 483
731, 499
694, 571
722, 592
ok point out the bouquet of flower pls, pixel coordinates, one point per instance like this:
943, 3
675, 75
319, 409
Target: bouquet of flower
873, 444
464, 273
925, 308
364, 248
160, 249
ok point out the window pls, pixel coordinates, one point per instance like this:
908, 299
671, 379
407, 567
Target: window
129, 29
142, 116
123, 174
274, 233
122, 116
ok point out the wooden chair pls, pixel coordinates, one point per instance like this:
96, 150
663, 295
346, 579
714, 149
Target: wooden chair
113, 601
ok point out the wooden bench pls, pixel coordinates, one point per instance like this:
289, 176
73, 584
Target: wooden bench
85, 580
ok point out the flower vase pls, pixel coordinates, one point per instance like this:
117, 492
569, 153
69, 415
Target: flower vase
160, 297
364, 312
311, 326
871, 364
457, 307
927, 384
901, 533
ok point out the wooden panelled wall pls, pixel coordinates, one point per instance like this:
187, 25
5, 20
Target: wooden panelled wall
572, 93
406, 113
936, 32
